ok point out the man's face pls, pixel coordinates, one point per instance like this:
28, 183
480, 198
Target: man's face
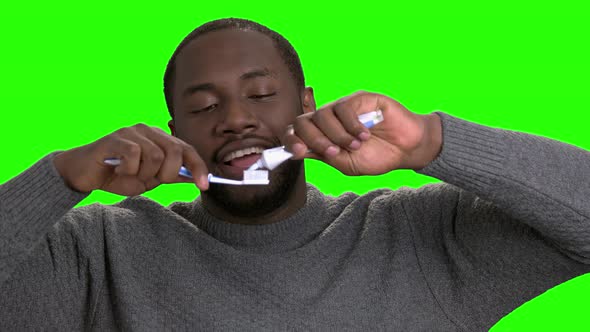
232, 90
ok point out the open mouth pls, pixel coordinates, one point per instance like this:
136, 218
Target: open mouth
243, 158
234, 169
244, 161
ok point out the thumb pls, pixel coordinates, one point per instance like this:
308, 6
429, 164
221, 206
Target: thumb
295, 145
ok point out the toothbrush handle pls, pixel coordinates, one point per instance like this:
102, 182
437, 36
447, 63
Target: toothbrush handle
185, 172
370, 119
116, 161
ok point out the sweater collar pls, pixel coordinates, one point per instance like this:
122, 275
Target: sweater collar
285, 235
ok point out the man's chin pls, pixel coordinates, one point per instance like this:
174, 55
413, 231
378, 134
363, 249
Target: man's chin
251, 201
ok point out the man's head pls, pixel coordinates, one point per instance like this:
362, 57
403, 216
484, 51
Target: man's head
231, 84
285, 49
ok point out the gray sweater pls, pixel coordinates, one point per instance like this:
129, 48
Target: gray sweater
510, 221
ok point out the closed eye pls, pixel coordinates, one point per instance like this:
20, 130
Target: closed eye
206, 109
262, 96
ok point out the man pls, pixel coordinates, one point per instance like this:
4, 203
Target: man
510, 222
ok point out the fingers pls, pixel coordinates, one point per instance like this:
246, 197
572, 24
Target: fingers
329, 130
129, 153
350, 122
196, 165
297, 146
177, 153
155, 157
151, 160
313, 137
172, 158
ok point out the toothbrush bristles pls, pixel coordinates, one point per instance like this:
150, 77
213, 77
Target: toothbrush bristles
256, 175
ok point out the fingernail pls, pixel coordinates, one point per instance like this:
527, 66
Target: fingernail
299, 148
364, 136
355, 145
332, 150
204, 182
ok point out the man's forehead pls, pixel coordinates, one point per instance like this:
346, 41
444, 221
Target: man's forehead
226, 49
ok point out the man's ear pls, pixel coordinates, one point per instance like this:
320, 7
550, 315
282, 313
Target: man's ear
308, 100
171, 126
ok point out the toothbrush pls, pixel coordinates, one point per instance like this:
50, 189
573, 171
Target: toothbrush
259, 177
271, 158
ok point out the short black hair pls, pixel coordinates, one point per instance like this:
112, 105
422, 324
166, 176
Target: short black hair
286, 51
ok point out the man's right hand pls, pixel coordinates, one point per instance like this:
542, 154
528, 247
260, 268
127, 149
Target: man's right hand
149, 157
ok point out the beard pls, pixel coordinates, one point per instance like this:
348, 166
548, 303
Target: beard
250, 201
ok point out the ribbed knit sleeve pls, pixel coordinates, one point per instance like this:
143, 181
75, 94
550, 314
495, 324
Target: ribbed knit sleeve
30, 204
45, 270
541, 182
509, 222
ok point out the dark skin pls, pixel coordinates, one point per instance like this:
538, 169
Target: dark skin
242, 94
244, 90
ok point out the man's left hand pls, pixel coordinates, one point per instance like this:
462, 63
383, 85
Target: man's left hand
404, 140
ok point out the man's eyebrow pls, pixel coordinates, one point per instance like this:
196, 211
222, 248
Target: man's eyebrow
264, 72
198, 87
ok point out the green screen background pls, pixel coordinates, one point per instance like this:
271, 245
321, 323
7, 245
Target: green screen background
72, 73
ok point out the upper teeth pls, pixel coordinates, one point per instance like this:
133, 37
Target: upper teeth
242, 152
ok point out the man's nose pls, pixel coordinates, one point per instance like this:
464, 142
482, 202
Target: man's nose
237, 119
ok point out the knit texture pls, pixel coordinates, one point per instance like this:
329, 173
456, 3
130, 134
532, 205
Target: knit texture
510, 221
